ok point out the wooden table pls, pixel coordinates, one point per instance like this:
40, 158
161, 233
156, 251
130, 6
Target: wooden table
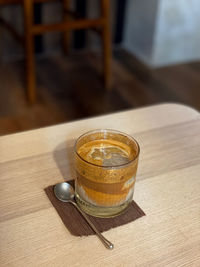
167, 189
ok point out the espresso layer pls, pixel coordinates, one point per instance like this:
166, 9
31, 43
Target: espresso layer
107, 188
103, 199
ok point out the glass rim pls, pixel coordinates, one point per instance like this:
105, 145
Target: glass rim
108, 130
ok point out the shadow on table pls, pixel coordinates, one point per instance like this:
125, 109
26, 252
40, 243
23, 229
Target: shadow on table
64, 158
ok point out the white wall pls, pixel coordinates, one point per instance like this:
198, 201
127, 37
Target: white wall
163, 32
140, 21
177, 38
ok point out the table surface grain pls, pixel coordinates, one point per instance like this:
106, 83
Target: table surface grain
167, 189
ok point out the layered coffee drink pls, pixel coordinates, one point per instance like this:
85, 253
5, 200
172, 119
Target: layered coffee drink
106, 165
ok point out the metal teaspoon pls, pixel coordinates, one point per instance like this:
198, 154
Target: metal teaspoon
65, 192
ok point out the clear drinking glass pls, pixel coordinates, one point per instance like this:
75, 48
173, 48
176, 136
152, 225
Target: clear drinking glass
106, 164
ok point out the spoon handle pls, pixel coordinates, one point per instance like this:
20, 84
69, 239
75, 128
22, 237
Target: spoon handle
106, 242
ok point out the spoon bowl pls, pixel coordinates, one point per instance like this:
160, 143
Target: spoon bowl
64, 192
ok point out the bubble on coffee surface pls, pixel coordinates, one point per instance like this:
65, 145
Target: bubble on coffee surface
109, 155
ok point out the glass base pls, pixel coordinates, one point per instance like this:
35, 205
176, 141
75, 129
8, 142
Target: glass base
102, 212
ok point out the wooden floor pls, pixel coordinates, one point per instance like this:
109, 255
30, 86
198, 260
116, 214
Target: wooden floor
70, 88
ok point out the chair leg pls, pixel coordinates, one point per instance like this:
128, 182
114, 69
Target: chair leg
106, 35
29, 50
66, 34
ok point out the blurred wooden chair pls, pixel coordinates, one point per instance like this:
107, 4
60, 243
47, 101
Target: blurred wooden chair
71, 21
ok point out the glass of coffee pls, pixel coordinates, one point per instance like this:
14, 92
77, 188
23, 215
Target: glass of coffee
106, 164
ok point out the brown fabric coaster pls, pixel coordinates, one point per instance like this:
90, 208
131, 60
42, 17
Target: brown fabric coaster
77, 225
